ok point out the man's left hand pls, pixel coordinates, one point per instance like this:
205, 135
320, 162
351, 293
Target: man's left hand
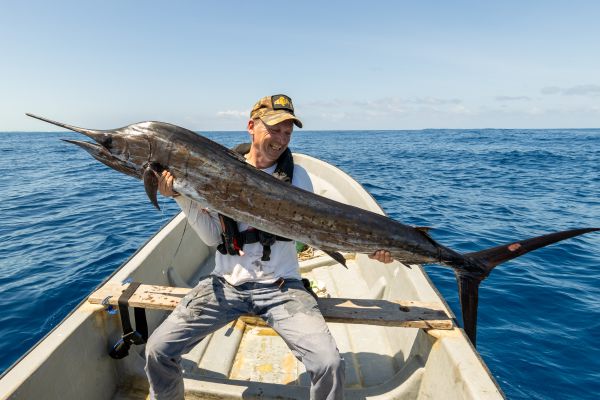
383, 256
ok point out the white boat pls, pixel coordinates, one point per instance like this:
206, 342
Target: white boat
246, 359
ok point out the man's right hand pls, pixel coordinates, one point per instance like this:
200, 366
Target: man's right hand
165, 184
383, 256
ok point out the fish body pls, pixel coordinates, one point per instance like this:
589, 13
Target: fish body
221, 180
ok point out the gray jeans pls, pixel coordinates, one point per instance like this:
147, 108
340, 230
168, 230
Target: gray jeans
290, 310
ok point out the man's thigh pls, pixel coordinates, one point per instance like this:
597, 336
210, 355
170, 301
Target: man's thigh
296, 317
206, 308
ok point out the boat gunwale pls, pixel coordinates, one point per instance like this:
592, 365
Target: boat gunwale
438, 334
85, 299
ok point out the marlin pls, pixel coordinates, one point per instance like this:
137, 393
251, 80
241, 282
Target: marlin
222, 180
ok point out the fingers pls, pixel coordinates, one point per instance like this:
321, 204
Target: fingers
162, 183
165, 184
383, 256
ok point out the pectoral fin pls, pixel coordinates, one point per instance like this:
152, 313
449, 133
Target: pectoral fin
151, 173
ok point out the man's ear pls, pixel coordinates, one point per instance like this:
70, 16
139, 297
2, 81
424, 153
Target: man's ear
250, 129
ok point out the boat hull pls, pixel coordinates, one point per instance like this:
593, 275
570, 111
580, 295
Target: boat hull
382, 362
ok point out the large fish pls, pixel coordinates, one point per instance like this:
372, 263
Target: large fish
223, 181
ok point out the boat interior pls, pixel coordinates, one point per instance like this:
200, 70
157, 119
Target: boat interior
246, 359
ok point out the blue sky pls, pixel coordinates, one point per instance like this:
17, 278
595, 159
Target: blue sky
346, 64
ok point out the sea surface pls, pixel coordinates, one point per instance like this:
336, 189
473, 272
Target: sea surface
67, 222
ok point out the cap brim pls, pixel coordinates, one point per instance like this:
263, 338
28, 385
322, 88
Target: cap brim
275, 117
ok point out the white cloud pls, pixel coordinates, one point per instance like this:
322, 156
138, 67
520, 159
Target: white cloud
434, 101
535, 111
395, 105
512, 98
383, 108
551, 90
323, 104
583, 90
459, 109
578, 90
233, 114
333, 116
387, 105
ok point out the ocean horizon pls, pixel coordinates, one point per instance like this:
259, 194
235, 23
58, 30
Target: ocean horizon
213, 132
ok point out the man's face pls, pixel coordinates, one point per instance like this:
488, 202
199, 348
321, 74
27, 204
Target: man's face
270, 141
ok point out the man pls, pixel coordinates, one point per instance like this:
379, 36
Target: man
260, 276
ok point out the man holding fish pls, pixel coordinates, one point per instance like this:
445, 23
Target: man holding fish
255, 273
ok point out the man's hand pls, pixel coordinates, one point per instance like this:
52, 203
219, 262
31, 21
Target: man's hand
383, 256
165, 184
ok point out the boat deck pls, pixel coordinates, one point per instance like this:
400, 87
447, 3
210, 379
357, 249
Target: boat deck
249, 356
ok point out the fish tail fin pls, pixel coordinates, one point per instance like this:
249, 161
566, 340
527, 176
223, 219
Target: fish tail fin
468, 294
487, 260
497, 255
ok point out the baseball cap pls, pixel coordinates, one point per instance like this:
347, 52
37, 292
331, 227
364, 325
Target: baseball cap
275, 109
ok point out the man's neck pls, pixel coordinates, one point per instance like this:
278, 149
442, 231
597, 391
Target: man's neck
257, 161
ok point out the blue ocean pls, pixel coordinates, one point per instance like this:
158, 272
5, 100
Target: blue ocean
67, 222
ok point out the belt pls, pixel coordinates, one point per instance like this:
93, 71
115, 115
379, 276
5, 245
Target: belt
279, 283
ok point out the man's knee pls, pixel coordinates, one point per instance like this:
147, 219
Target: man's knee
330, 361
324, 357
157, 349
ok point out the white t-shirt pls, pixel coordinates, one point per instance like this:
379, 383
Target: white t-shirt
236, 270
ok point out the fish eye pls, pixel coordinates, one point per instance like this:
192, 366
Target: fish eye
106, 142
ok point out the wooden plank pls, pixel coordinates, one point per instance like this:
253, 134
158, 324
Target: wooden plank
406, 313
146, 296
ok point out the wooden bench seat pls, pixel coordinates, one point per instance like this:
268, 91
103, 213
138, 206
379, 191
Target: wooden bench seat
405, 313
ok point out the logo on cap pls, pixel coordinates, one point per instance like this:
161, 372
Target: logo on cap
282, 102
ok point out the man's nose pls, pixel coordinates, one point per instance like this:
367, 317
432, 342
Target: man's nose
282, 139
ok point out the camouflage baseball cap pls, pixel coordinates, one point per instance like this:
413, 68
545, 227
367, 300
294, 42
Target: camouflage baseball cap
275, 109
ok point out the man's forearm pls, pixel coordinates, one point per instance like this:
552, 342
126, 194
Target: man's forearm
204, 223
